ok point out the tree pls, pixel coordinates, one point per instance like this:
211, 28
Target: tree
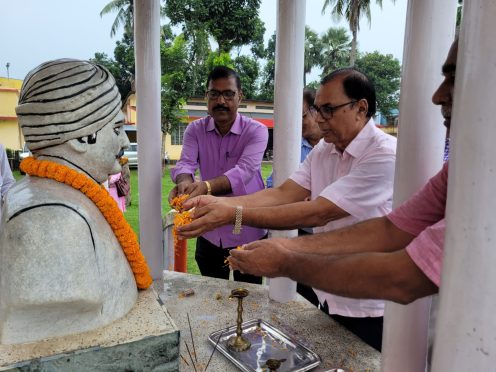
125, 10
230, 22
248, 69
336, 49
384, 71
266, 90
351, 10
313, 56
122, 67
174, 81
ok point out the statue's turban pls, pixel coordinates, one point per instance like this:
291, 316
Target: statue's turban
65, 99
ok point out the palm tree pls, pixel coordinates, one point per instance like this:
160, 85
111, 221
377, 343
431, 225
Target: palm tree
336, 49
352, 10
313, 47
125, 10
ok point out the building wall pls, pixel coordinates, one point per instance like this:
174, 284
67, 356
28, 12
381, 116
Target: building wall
10, 134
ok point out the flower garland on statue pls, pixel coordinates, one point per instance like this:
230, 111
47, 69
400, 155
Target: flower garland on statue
105, 203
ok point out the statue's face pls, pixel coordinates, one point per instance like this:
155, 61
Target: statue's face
102, 157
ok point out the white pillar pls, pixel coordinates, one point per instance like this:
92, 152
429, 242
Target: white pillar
147, 56
430, 27
465, 338
290, 49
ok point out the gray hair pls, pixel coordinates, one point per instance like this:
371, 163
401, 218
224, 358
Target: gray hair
66, 99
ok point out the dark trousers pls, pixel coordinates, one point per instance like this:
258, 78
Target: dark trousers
304, 290
308, 293
368, 329
211, 262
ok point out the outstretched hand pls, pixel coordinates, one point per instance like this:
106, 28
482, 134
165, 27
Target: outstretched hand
210, 212
199, 201
193, 189
261, 258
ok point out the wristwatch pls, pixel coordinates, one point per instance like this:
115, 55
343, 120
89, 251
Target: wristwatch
238, 219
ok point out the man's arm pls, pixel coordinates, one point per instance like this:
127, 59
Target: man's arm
259, 209
391, 275
218, 186
317, 212
182, 180
374, 235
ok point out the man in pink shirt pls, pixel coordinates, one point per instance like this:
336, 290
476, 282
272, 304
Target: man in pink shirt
397, 257
348, 177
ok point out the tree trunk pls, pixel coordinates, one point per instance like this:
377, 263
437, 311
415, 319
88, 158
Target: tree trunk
353, 48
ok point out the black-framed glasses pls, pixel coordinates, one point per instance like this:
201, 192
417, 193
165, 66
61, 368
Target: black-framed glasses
215, 94
327, 111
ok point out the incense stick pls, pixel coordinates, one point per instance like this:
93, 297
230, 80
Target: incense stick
213, 351
192, 339
190, 357
184, 360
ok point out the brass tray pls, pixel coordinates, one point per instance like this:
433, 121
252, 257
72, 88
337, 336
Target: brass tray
267, 342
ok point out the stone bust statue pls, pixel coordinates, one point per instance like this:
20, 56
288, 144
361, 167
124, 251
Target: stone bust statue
62, 268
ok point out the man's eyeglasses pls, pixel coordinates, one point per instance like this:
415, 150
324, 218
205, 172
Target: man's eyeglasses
215, 94
327, 111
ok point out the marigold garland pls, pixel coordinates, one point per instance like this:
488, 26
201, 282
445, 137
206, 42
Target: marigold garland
105, 203
181, 218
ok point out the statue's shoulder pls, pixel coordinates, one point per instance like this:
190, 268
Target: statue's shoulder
33, 198
53, 197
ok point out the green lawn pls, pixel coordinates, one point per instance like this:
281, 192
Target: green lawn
132, 214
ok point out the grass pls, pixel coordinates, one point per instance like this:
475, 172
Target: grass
132, 212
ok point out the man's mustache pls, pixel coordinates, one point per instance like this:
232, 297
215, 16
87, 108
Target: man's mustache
221, 108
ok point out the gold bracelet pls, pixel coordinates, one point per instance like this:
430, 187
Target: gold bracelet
209, 188
238, 219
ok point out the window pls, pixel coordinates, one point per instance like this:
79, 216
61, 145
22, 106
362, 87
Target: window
177, 134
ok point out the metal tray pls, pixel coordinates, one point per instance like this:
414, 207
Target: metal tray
267, 342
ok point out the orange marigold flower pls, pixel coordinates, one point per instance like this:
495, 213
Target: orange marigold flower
42, 168
177, 202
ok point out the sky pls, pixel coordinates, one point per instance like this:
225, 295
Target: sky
34, 31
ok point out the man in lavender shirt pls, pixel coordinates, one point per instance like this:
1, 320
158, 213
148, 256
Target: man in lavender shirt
228, 149
397, 257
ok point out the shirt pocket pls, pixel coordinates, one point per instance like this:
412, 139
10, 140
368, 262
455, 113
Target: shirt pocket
231, 159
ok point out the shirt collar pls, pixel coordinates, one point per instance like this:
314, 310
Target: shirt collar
235, 128
356, 147
305, 143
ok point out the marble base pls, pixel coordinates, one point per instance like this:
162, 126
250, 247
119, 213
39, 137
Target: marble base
146, 339
210, 310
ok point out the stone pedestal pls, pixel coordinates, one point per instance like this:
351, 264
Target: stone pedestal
210, 309
146, 339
